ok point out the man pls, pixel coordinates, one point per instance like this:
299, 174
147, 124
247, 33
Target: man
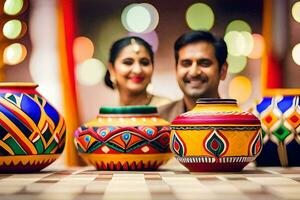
200, 65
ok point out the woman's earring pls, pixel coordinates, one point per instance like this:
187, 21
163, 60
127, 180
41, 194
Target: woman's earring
113, 80
149, 88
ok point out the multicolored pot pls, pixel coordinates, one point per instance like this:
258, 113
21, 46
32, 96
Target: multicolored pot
125, 138
280, 119
32, 132
216, 136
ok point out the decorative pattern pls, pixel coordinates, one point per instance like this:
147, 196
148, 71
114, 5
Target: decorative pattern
280, 117
216, 144
216, 136
223, 128
29, 125
128, 161
233, 159
116, 140
256, 144
177, 145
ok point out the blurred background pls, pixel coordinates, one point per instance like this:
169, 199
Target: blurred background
63, 45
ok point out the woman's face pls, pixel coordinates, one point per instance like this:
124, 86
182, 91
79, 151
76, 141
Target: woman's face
132, 69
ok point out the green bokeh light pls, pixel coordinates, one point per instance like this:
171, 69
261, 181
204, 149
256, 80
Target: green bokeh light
13, 7
200, 16
12, 29
238, 25
236, 64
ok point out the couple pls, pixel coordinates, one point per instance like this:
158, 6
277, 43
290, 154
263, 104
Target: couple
200, 65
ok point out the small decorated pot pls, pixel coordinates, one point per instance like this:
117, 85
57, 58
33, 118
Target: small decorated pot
32, 132
216, 136
125, 138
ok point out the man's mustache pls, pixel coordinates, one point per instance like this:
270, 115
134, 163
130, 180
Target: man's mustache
202, 77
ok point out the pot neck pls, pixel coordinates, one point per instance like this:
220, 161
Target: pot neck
216, 105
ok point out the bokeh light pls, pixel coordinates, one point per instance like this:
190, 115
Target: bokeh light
124, 15
296, 54
258, 46
248, 43
154, 17
200, 16
296, 11
238, 25
14, 54
136, 18
240, 88
12, 29
235, 43
150, 37
13, 7
239, 43
236, 64
83, 49
90, 72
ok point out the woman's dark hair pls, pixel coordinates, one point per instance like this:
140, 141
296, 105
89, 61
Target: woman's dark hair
198, 36
117, 47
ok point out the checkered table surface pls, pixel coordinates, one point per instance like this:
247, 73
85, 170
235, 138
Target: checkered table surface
172, 181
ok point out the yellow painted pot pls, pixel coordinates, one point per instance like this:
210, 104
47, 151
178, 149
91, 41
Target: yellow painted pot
125, 138
216, 136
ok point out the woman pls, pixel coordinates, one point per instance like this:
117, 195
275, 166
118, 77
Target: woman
130, 70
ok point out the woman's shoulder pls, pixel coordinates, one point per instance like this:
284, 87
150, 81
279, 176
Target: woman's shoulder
159, 101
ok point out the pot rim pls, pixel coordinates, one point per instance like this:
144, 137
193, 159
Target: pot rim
215, 101
127, 110
18, 85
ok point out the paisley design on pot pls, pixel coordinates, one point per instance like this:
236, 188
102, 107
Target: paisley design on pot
177, 145
216, 144
256, 144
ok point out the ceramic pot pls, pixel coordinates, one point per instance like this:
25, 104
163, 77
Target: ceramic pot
125, 138
216, 136
280, 120
32, 132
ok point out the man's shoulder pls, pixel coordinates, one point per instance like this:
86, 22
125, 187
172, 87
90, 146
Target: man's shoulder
171, 105
171, 110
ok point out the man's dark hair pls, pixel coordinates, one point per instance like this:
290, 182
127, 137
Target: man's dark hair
202, 36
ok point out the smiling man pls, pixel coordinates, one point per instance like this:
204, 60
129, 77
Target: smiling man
200, 65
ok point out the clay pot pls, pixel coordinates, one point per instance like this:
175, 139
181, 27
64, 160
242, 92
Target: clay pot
125, 138
32, 132
280, 121
216, 136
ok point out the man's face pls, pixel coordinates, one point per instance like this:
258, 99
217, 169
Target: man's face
198, 72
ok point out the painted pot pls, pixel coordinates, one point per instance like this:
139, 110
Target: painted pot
280, 120
32, 132
216, 136
125, 138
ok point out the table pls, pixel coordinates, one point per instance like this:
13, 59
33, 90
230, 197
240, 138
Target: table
172, 181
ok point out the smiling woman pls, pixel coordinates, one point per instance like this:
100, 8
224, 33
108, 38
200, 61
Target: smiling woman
130, 71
